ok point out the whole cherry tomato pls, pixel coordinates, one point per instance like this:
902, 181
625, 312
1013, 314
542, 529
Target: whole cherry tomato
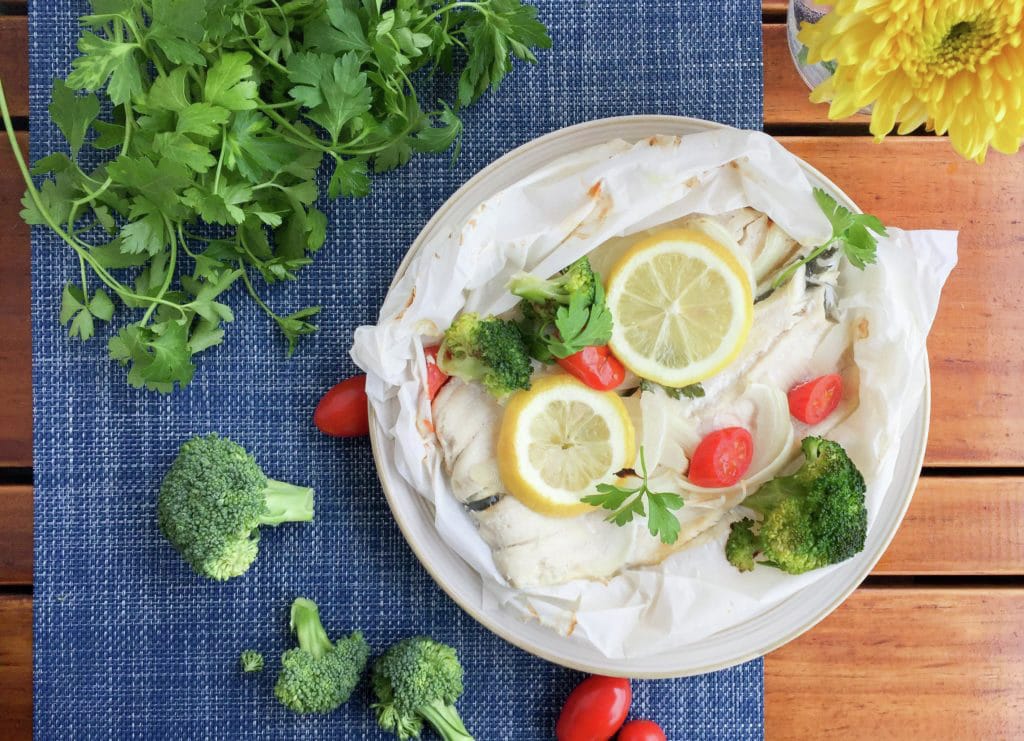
595, 366
343, 411
721, 458
436, 378
595, 710
813, 401
641, 730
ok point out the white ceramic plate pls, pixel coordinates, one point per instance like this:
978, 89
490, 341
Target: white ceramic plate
755, 637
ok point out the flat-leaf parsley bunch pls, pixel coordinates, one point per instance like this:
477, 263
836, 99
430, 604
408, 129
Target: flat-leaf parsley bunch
222, 113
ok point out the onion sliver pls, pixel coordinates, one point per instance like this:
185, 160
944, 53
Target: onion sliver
772, 431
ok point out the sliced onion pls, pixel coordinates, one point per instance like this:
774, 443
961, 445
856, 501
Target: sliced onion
775, 251
772, 430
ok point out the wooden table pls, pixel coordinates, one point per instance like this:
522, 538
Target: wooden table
932, 644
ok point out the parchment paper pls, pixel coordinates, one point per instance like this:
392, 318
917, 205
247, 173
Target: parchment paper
565, 210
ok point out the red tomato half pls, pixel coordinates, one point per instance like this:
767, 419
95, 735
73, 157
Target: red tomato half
813, 401
596, 367
436, 378
342, 411
595, 710
641, 730
721, 458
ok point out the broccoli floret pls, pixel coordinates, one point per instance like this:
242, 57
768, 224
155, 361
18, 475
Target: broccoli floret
318, 676
416, 680
562, 315
251, 661
213, 500
489, 350
577, 278
813, 518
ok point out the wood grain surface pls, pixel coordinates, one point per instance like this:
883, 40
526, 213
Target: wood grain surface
14, 62
918, 663
874, 669
16, 347
15, 668
895, 662
785, 99
913, 182
955, 526
15, 535
977, 359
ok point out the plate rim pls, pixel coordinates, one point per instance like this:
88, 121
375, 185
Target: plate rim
924, 411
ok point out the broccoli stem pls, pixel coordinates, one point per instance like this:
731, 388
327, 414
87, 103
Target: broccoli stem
536, 289
287, 503
445, 720
305, 622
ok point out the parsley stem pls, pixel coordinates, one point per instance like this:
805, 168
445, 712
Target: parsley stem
167, 278
447, 9
252, 292
266, 57
220, 158
93, 195
788, 272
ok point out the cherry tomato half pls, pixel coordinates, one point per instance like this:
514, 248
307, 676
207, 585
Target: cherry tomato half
436, 378
342, 411
813, 401
595, 710
641, 730
595, 366
721, 458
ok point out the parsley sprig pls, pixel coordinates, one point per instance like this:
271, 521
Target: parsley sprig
582, 323
852, 231
222, 112
625, 503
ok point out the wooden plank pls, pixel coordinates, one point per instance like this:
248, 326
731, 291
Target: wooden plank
16, 348
16, 668
955, 526
898, 663
960, 526
978, 402
14, 62
786, 100
15, 534
943, 661
977, 359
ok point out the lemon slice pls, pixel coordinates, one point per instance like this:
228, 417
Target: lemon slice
559, 440
682, 306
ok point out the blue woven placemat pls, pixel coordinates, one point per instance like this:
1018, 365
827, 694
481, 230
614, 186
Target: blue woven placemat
128, 642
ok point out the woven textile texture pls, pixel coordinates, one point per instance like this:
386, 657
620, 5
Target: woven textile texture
129, 643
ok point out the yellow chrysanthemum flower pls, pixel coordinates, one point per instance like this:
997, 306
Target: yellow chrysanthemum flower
956, 66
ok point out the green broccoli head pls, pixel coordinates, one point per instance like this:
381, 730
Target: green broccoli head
417, 680
213, 500
813, 518
318, 676
251, 661
577, 278
489, 350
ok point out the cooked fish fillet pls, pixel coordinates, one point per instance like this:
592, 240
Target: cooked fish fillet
792, 339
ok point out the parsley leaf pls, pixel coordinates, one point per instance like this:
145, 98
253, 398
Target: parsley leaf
855, 233
581, 324
626, 503
210, 121
693, 391
72, 114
